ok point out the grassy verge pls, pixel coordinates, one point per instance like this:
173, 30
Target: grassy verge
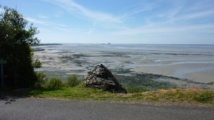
192, 96
140, 89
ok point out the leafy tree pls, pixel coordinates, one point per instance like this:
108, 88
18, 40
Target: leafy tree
16, 38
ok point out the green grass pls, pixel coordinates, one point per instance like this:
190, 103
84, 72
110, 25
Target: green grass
72, 93
140, 90
54, 83
72, 81
146, 81
81, 93
205, 96
135, 89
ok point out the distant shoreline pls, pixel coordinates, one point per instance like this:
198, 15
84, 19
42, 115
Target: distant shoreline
46, 44
42, 44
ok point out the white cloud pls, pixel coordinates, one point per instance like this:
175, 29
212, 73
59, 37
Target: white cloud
72, 6
167, 30
58, 14
1, 10
197, 10
34, 20
196, 15
139, 7
43, 16
46, 23
175, 20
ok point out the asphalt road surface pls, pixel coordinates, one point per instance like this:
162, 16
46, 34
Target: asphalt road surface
45, 109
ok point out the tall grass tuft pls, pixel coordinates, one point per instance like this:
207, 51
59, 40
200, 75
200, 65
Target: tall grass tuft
72, 81
135, 89
41, 80
54, 83
204, 97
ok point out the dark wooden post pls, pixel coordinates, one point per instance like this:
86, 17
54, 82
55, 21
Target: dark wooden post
2, 77
2, 62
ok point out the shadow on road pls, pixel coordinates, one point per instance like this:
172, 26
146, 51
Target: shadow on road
8, 99
10, 95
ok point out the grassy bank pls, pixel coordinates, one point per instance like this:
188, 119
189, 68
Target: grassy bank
140, 88
81, 93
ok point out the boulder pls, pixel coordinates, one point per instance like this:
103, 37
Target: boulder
102, 78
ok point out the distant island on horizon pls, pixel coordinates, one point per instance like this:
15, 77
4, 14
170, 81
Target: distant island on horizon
44, 44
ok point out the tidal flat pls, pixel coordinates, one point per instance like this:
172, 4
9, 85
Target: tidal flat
183, 66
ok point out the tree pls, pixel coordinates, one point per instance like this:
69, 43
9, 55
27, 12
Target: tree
16, 38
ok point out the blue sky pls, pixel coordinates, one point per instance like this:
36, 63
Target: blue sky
120, 21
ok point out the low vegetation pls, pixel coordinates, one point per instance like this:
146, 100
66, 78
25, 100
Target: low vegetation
72, 81
54, 83
135, 89
73, 89
79, 92
37, 63
144, 82
41, 80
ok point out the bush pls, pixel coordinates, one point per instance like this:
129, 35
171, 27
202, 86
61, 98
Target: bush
72, 81
204, 97
134, 89
54, 83
41, 80
37, 63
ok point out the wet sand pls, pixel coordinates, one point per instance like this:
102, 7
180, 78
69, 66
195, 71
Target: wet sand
204, 77
203, 73
194, 65
198, 75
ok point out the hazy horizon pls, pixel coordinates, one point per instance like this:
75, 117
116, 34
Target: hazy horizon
109, 43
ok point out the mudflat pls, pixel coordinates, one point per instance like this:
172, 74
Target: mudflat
194, 64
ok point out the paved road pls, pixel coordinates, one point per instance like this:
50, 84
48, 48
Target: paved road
44, 109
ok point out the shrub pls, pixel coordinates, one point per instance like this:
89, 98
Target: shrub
134, 89
204, 97
37, 64
54, 83
72, 81
41, 80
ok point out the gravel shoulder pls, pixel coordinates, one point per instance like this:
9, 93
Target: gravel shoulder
46, 109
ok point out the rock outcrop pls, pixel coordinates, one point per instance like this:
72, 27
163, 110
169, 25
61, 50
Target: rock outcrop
102, 78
